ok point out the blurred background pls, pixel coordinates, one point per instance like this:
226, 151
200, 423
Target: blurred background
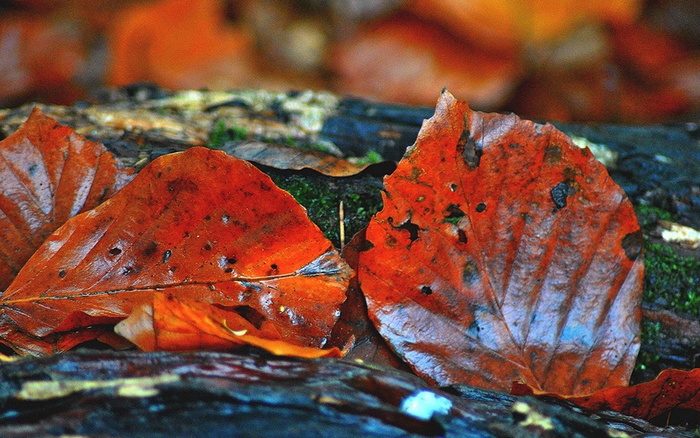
583, 60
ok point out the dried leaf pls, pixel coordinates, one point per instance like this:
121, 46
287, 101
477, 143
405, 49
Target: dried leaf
671, 390
48, 174
286, 157
505, 253
173, 325
199, 225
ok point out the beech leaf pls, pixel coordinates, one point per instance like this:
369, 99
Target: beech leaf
169, 324
671, 390
505, 253
199, 225
48, 174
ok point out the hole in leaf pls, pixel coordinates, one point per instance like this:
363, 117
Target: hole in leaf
454, 214
251, 315
480, 207
115, 251
426, 290
560, 192
166, 255
633, 244
462, 236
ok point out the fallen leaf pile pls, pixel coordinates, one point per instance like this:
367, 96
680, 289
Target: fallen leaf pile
504, 253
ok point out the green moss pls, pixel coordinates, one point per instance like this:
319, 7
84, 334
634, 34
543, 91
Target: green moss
371, 157
648, 215
223, 133
321, 196
650, 336
670, 280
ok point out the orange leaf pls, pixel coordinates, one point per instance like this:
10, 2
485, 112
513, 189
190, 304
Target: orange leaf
199, 225
403, 59
144, 49
172, 325
48, 174
504, 253
672, 389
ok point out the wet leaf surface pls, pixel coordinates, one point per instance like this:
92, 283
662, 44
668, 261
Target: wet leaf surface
505, 253
199, 225
48, 174
169, 324
671, 391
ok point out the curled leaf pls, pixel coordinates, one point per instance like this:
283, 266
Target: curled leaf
505, 253
169, 324
199, 225
671, 390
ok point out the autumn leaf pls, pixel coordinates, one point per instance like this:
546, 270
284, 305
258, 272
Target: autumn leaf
505, 253
48, 174
143, 49
199, 225
169, 324
671, 390
287, 157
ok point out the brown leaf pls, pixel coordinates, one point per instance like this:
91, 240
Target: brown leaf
199, 225
505, 253
286, 157
169, 324
48, 174
671, 390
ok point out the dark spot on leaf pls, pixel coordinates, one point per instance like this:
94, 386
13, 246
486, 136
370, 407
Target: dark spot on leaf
472, 152
150, 249
470, 273
166, 255
115, 251
453, 187
514, 146
127, 270
473, 329
462, 236
207, 246
182, 185
231, 260
560, 192
426, 290
552, 154
480, 207
265, 187
207, 217
32, 169
228, 270
62, 273
633, 244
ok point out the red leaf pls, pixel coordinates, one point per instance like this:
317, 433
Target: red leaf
172, 325
199, 225
48, 174
672, 389
505, 253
